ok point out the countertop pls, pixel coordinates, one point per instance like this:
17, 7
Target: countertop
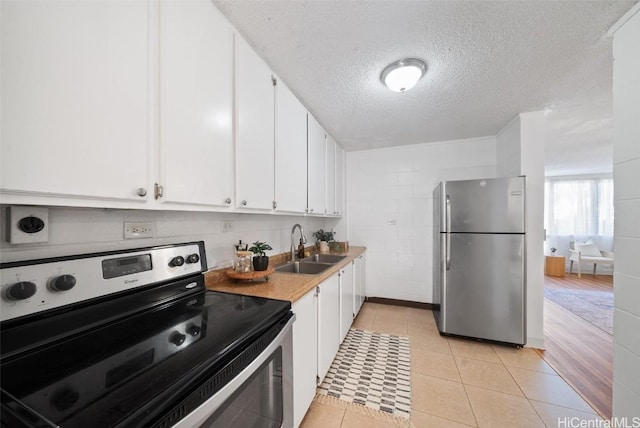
281, 286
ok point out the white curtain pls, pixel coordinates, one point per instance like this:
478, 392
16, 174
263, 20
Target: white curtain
578, 210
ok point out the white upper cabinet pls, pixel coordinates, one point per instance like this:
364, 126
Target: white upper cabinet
291, 152
316, 166
196, 104
339, 180
330, 188
110, 103
254, 141
75, 84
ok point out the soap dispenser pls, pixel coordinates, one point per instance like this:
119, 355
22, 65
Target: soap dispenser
301, 250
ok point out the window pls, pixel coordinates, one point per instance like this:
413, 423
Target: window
579, 207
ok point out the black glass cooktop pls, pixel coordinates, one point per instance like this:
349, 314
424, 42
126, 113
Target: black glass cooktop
101, 377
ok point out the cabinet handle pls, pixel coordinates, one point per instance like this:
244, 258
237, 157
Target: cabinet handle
243, 203
141, 191
275, 205
227, 201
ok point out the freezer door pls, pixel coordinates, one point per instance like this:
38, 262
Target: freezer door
483, 293
493, 205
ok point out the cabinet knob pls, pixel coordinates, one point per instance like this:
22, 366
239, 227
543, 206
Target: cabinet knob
141, 191
227, 201
243, 203
275, 205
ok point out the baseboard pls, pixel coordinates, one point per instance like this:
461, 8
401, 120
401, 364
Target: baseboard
396, 302
534, 342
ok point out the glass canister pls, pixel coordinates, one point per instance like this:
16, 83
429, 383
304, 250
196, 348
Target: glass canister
242, 262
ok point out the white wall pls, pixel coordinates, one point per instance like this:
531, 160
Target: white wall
520, 151
626, 176
389, 208
83, 230
508, 149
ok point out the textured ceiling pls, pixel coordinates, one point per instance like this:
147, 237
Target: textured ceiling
579, 140
488, 60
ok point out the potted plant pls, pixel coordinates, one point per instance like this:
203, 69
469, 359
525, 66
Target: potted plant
260, 258
323, 238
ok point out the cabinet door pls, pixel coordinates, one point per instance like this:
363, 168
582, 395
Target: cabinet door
75, 81
196, 105
254, 112
316, 169
330, 191
339, 180
359, 283
291, 151
346, 300
305, 354
328, 323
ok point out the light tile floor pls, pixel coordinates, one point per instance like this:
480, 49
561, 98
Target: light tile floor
460, 383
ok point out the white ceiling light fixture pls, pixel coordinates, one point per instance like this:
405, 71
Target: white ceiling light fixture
403, 75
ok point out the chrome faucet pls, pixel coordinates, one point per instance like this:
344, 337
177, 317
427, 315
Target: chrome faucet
303, 240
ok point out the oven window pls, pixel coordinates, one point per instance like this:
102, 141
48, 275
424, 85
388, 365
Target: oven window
257, 403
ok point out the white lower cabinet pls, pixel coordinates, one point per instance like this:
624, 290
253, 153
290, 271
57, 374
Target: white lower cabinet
323, 318
305, 354
328, 323
346, 300
359, 281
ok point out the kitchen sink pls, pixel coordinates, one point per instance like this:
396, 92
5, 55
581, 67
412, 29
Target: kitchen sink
310, 268
323, 258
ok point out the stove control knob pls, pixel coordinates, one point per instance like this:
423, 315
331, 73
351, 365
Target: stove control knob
63, 283
193, 258
194, 330
21, 290
176, 261
177, 338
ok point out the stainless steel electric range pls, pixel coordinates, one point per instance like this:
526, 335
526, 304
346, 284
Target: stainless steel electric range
133, 339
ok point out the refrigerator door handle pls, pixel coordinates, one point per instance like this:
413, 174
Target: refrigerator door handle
448, 240
447, 213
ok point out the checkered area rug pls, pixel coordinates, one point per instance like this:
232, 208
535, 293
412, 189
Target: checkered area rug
373, 370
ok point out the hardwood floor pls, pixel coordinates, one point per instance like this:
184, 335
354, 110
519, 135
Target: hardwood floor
587, 282
580, 352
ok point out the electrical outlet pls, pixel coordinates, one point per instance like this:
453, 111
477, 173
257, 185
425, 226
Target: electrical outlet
226, 226
139, 229
27, 225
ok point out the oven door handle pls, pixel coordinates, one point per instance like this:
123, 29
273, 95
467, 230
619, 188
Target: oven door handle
206, 409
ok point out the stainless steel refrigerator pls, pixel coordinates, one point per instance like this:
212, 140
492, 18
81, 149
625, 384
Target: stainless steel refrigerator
479, 269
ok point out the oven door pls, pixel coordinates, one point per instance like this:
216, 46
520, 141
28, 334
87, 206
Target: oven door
259, 396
